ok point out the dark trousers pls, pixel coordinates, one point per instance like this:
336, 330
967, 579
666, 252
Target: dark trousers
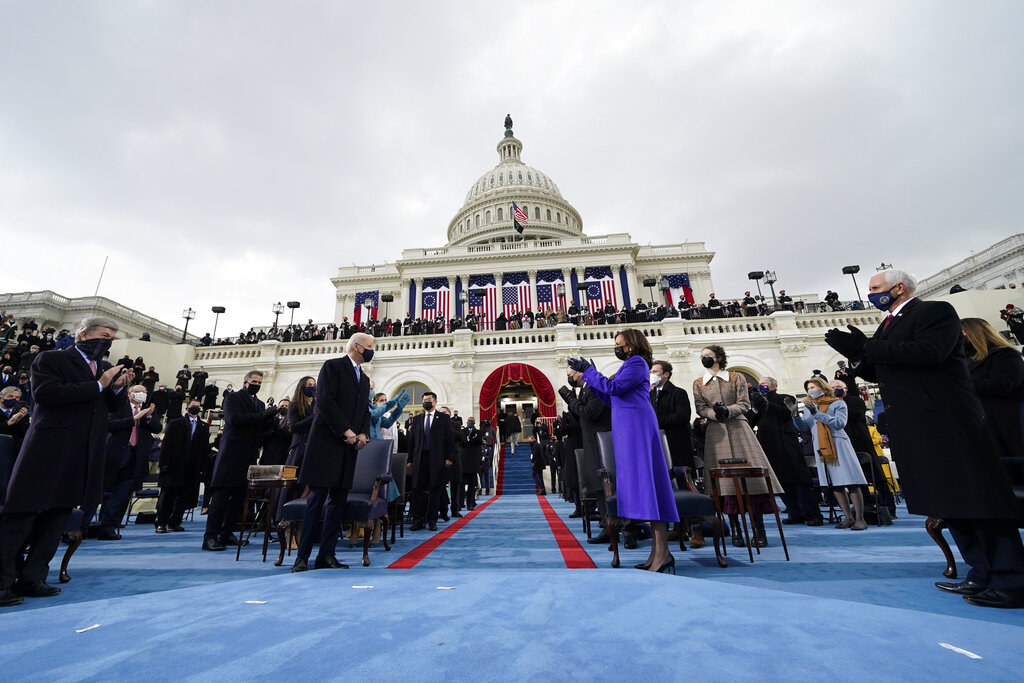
800, 501
332, 502
993, 549
427, 499
42, 532
226, 503
454, 476
538, 480
469, 489
170, 506
116, 505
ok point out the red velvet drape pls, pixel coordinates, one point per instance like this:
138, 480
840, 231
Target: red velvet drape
516, 372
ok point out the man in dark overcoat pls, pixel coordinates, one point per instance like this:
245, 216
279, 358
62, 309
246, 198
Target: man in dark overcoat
672, 406
62, 458
246, 418
593, 416
341, 427
937, 433
432, 446
184, 451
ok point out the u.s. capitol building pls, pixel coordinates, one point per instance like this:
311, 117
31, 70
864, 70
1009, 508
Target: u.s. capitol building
487, 268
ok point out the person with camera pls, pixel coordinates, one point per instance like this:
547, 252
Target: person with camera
61, 462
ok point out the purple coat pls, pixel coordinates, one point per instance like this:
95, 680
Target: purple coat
641, 475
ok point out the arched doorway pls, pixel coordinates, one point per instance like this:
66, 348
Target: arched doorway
513, 373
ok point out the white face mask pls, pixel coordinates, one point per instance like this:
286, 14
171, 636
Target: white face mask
655, 379
815, 392
139, 397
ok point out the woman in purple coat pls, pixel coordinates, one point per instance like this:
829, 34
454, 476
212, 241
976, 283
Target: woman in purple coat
642, 480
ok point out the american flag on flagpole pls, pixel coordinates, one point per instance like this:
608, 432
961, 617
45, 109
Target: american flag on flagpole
361, 297
600, 288
483, 306
679, 287
515, 294
518, 218
435, 298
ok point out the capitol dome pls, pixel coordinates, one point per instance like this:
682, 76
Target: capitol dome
486, 215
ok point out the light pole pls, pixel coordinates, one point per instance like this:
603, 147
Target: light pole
278, 309
464, 300
770, 279
387, 299
756, 276
649, 283
292, 305
367, 304
187, 314
560, 291
216, 319
852, 271
665, 287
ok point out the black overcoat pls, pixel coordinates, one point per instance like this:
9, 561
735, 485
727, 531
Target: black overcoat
119, 433
999, 380
780, 439
62, 458
672, 406
937, 432
183, 455
470, 440
442, 447
594, 416
342, 403
245, 420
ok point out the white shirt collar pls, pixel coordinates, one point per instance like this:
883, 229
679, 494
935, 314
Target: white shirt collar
896, 311
723, 375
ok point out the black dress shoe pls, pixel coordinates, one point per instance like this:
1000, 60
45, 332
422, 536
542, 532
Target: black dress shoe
600, 538
456, 514
161, 530
176, 528
416, 526
9, 598
330, 562
990, 597
794, 520
213, 544
629, 541
815, 522
576, 514
445, 518
35, 589
233, 540
108, 535
967, 587
300, 565
432, 526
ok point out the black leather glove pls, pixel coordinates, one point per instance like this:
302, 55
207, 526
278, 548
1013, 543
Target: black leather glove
850, 344
579, 364
757, 401
811, 408
721, 412
566, 393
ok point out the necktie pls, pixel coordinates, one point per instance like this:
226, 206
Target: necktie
92, 366
135, 427
887, 321
193, 427
356, 368
426, 426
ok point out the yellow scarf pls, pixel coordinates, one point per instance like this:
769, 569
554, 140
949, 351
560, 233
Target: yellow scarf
826, 444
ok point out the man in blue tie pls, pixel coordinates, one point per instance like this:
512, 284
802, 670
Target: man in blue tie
432, 446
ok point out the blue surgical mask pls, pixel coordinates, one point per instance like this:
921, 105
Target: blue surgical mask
309, 391
839, 393
882, 300
763, 388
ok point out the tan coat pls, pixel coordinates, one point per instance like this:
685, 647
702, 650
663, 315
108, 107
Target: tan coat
733, 438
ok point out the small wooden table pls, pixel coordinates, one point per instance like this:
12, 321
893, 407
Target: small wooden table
739, 474
255, 488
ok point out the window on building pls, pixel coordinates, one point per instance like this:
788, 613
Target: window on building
487, 217
478, 220
558, 216
501, 214
536, 212
549, 214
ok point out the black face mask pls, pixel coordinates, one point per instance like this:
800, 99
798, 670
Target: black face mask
193, 410
571, 381
428, 406
94, 349
620, 353
253, 388
707, 361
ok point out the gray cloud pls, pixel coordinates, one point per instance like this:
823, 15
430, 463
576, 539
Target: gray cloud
236, 153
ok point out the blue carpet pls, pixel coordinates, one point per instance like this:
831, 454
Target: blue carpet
518, 479
495, 601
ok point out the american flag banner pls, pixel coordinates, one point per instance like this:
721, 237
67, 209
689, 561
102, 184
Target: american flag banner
361, 297
515, 294
518, 218
435, 298
679, 287
600, 287
547, 290
483, 300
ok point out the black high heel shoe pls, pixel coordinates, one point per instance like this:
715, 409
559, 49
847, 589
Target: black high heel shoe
670, 563
643, 565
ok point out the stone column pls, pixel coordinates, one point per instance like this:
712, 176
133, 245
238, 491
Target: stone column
634, 287
532, 273
464, 279
417, 306
452, 303
567, 278
403, 299
617, 281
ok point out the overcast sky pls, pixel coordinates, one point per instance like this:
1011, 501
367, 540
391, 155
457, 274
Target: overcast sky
237, 153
